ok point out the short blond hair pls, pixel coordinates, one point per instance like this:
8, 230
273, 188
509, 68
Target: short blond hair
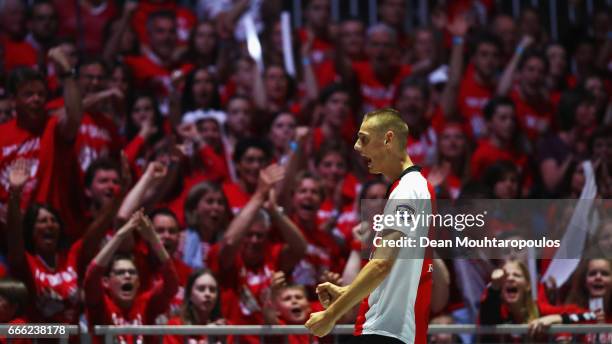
388, 119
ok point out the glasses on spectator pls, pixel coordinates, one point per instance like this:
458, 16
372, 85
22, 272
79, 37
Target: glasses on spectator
121, 272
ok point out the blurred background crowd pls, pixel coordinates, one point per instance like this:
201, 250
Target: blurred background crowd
192, 162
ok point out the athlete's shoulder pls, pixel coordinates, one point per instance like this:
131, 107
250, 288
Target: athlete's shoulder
412, 186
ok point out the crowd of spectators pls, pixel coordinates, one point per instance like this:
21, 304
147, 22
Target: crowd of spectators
153, 171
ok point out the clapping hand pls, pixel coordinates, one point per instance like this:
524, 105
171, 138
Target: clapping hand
19, 174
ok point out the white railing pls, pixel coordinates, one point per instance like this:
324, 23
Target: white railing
109, 332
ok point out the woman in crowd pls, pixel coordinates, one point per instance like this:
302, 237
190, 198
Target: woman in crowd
508, 300
273, 91
144, 128
281, 135
591, 290
503, 180
200, 91
239, 111
203, 46
207, 215
39, 256
201, 306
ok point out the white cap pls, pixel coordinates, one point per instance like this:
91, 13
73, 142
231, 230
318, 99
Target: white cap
192, 117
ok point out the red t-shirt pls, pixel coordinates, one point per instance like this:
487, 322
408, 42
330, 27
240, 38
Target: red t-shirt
216, 165
326, 73
55, 290
149, 73
323, 253
102, 310
98, 136
376, 95
182, 271
204, 339
243, 288
533, 119
52, 169
93, 22
237, 198
18, 54
299, 338
471, 101
133, 152
487, 154
321, 48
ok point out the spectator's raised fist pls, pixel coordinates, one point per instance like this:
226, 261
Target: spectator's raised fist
156, 170
302, 133
58, 56
278, 281
498, 277
459, 26
177, 78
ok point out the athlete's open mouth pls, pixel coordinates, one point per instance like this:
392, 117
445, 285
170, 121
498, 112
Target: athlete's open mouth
366, 160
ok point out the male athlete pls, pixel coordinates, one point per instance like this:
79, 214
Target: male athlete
394, 292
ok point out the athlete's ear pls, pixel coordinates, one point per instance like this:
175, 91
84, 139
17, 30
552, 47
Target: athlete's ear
388, 136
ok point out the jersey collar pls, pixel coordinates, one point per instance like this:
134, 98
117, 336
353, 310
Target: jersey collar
413, 168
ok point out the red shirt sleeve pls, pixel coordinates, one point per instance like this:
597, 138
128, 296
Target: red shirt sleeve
94, 294
174, 339
215, 164
163, 293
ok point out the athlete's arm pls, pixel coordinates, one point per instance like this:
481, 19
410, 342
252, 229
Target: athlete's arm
370, 277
